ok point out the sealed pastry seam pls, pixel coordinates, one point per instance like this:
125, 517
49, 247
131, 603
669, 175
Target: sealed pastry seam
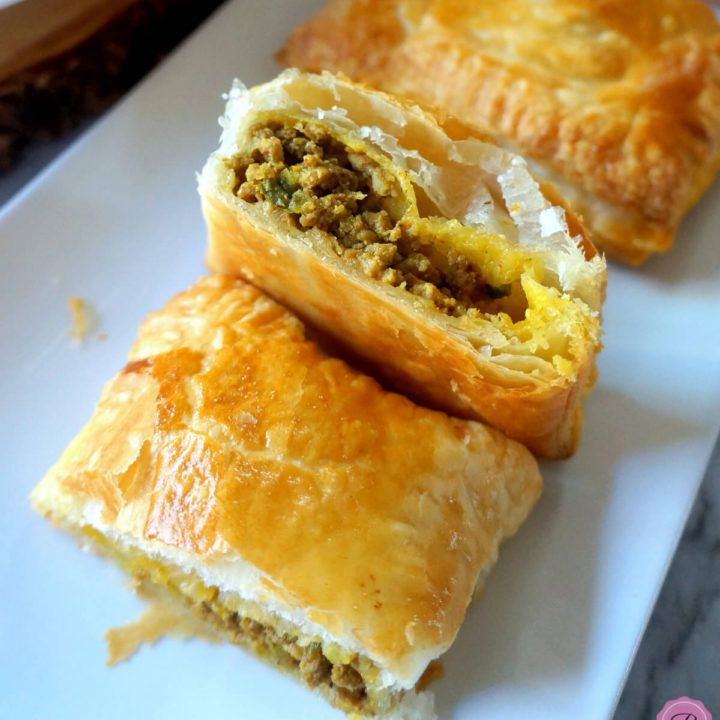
447, 236
335, 529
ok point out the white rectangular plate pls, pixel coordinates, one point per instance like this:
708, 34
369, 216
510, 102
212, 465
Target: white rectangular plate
117, 221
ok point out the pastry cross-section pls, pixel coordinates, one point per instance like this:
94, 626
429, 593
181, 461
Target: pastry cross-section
423, 248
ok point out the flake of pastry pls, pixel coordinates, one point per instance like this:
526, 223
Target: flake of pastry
79, 314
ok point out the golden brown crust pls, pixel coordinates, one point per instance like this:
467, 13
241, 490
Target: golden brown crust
619, 100
229, 433
420, 358
527, 378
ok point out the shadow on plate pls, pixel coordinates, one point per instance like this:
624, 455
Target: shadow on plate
536, 615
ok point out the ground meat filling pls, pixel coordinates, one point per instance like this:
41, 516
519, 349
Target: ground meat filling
322, 184
314, 667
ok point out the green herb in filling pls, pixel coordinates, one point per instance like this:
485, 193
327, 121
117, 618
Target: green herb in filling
323, 184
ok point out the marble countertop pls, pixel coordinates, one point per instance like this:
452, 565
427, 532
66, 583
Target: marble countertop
680, 651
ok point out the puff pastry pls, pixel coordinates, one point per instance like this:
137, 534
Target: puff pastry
425, 250
328, 525
616, 102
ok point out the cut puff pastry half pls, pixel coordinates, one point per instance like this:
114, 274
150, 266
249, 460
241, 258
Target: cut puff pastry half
429, 252
335, 529
616, 102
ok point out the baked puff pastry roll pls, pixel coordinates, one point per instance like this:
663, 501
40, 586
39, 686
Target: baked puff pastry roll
616, 102
333, 528
428, 252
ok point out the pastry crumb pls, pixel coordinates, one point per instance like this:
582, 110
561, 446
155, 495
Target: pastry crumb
84, 320
78, 309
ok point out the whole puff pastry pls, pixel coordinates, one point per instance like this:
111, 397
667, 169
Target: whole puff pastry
330, 526
616, 102
521, 357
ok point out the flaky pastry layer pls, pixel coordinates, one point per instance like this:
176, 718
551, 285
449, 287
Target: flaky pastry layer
232, 449
522, 363
616, 102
